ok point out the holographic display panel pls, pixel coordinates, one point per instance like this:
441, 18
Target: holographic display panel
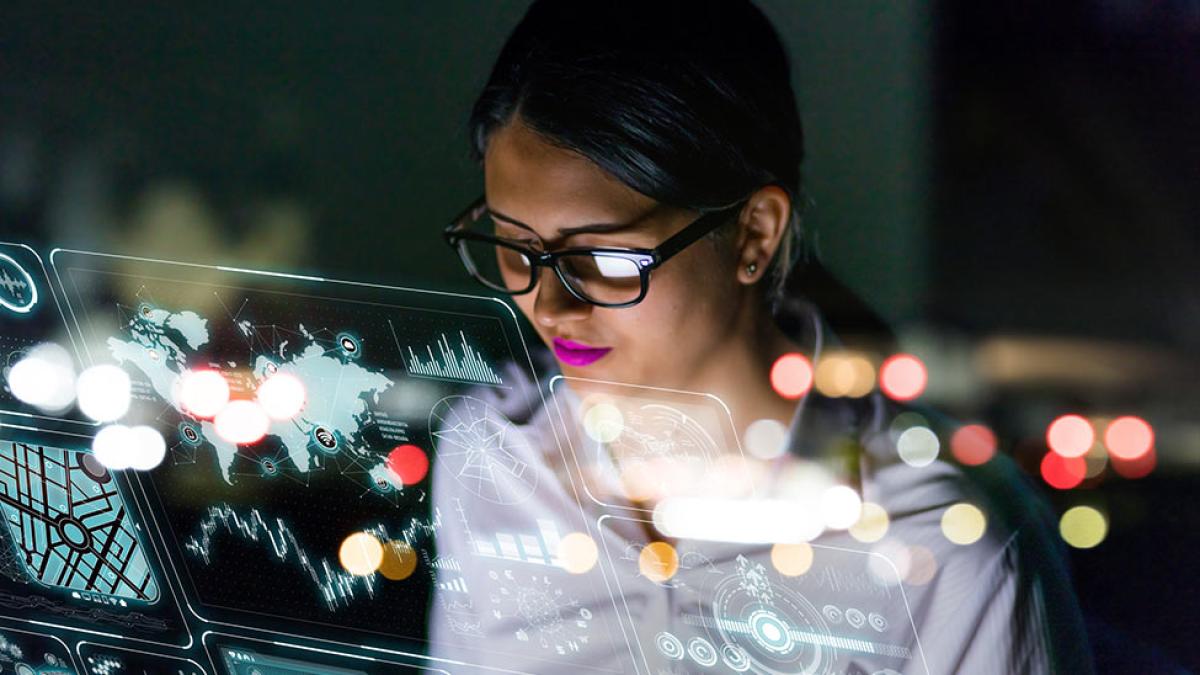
29, 315
732, 610
75, 551
260, 530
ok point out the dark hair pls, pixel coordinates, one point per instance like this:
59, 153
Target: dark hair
688, 102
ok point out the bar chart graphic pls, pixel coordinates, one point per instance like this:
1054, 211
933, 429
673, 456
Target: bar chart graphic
540, 548
445, 363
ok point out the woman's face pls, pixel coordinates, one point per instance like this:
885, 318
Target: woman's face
691, 309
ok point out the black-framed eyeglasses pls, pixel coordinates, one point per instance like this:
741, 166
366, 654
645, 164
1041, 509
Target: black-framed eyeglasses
603, 276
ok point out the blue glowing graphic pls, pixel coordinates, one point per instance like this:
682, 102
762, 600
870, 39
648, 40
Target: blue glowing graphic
337, 588
18, 293
70, 525
469, 366
161, 343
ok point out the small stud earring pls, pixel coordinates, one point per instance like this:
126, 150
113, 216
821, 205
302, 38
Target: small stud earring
751, 268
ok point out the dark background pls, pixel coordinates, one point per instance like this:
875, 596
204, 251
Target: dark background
1013, 186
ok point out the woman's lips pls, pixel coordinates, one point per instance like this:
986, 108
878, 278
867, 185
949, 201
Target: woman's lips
576, 353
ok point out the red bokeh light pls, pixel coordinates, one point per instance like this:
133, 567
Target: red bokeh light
903, 377
1139, 467
973, 444
409, 463
1070, 436
1128, 438
1061, 472
203, 393
792, 375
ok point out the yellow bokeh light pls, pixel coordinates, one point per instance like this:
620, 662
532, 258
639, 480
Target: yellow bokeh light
577, 553
792, 560
361, 553
845, 374
1083, 527
964, 524
399, 561
872, 524
603, 422
658, 561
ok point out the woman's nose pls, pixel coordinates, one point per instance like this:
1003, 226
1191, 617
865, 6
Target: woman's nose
554, 304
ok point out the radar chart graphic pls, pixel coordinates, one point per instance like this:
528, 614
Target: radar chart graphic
482, 449
69, 524
17, 290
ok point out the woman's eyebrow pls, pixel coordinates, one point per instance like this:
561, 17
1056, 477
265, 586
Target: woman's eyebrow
565, 231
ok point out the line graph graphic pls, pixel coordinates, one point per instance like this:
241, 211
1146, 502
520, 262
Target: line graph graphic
337, 589
467, 366
18, 293
10, 285
69, 524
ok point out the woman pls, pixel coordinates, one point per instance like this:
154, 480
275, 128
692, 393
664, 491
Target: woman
654, 149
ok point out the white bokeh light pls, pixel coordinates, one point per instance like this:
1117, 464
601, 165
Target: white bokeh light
918, 446
242, 422
840, 507
203, 392
113, 447
282, 396
765, 439
104, 392
148, 448
44, 378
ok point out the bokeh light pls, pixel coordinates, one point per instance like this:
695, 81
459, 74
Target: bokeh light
903, 377
578, 553
658, 561
1128, 437
918, 446
361, 554
1083, 527
922, 566
44, 378
973, 444
103, 392
147, 448
890, 562
792, 375
242, 422
408, 463
1070, 436
792, 560
1135, 468
282, 396
1061, 472
844, 374
963, 524
203, 393
399, 560
113, 447
840, 507
603, 422
872, 524
765, 439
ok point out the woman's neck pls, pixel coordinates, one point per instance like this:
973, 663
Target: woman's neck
740, 375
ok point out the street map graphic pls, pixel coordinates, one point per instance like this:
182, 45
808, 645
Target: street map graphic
69, 524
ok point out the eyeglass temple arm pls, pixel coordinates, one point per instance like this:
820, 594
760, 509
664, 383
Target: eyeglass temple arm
692, 233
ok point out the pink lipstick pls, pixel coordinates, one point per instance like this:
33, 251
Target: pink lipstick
576, 353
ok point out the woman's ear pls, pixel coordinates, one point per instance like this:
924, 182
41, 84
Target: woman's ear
761, 227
